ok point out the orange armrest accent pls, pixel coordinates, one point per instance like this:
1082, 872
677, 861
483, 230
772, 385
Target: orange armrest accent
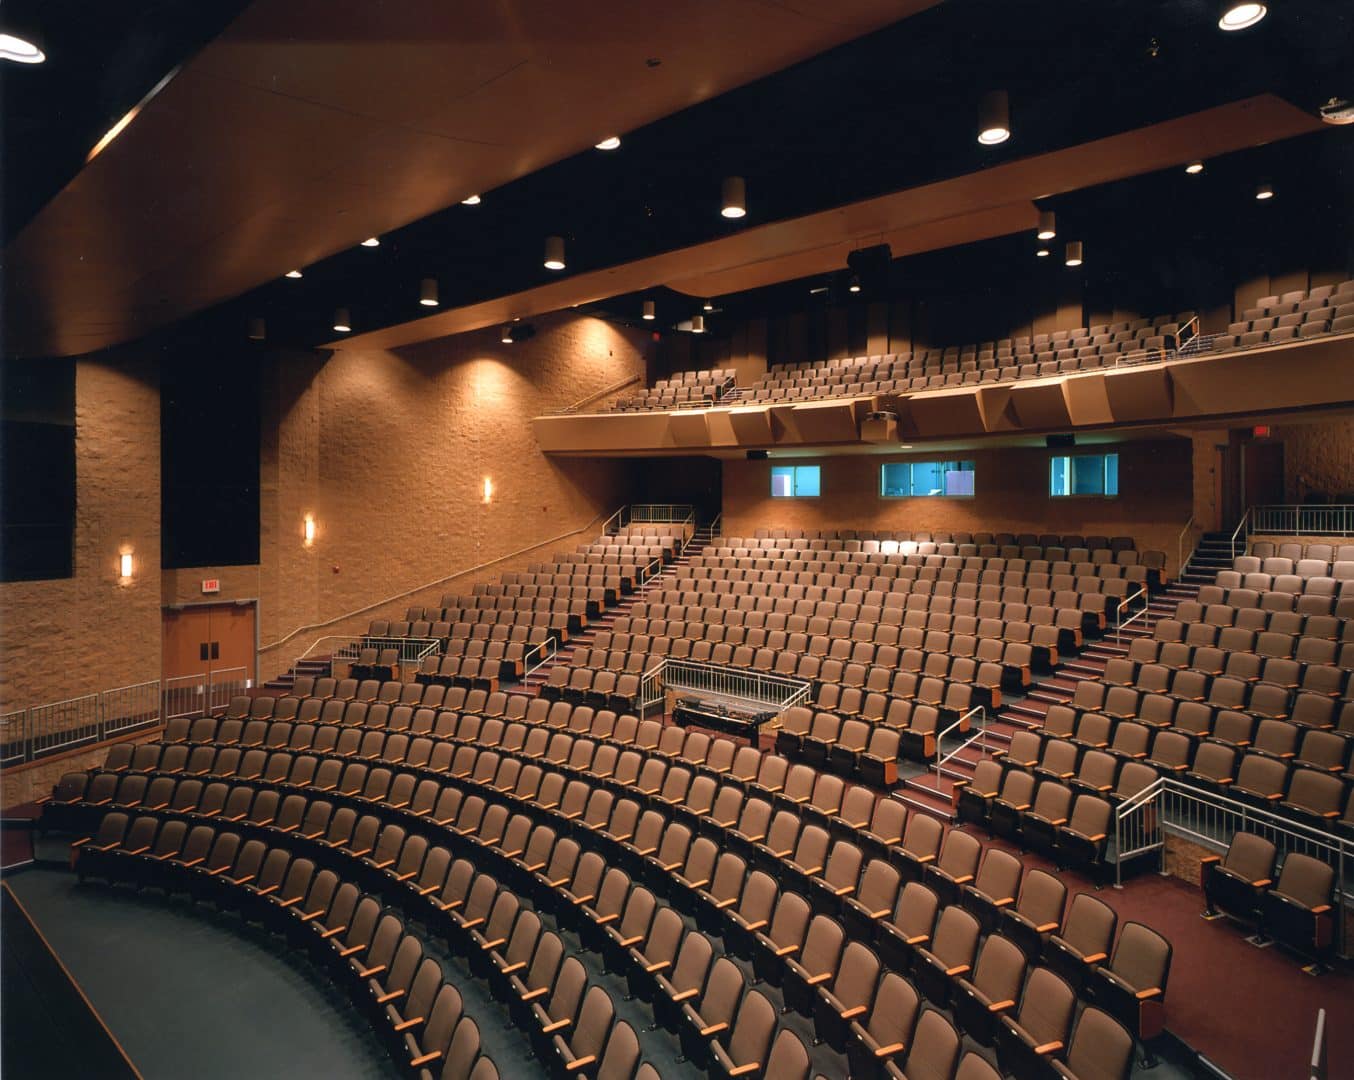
470, 924
630, 942
338, 930
963, 879
313, 835
886, 1051
308, 916
368, 973
786, 950
241, 880
405, 1025
660, 966
1045, 928
383, 863
588, 899
266, 890
194, 862
427, 1059
393, 995
957, 970
714, 1029
359, 854
1320, 909
425, 891
558, 1025
918, 939
579, 1063
1143, 995
722, 904
405, 877
290, 828
815, 980
510, 969
1048, 1047
139, 851
532, 995
744, 1070
1210, 859
685, 995
289, 903
843, 890
602, 920
487, 945
851, 1014
998, 1006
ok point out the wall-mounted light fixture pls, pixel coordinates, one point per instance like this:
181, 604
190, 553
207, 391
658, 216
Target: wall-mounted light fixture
308, 530
488, 490
125, 565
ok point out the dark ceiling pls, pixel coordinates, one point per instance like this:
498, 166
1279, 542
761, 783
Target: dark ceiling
884, 113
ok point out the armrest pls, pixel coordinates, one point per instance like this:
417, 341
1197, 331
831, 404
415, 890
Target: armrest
579, 1063
959, 969
558, 1025
685, 995
368, 973
194, 862
405, 1025
714, 1029
852, 1013
1093, 958
393, 995
998, 1006
816, 980
1146, 995
1048, 1048
745, 1070
426, 1059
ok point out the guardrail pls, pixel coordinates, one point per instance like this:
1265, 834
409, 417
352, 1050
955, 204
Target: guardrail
539, 656
938, 769
346, 650
719, 681
1303, 519
37, 732
1127, 602
1170, 806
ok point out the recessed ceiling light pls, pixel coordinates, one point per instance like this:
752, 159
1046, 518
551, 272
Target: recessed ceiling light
1265, 190
20, 50
905, 446
427, 292
471, 200
734, 203
554, 253
1239, 14
994, 118
292, 274
649, 309
611, 142
1073, 257
1194, 168
372, 241
1048, 225
1043, 253
343, 323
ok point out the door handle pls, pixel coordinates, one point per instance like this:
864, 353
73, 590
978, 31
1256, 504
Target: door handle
216, 650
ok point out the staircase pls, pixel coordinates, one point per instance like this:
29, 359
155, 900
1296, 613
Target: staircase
932, 793
315, 667
607, 619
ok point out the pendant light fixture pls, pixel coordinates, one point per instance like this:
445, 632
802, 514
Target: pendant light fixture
994, 118
734, 197
554, 253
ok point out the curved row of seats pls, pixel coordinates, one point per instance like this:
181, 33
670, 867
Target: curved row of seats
1318, 597
401, 992
1294, 906
795, 538
955, 838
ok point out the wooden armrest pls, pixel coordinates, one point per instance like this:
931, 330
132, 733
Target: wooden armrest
426, 1059
426, 890
240, 880
918, 939
602, 920
786, 950
289, 903
383, 864
998, 1006
661, 965
136, 851
1093, 958
558, 1025
1048, 1048
532, 995
822, 977
852, 1013
745, 1070
963, 879
714, 1029
1210, 859
393, 995
267, 890
405, 1025
1144, 995
470, 924
1046, 928
406, 877
630, 942
685, 995
843, 890
512, 969
309, 916
889, 1050
194, 862
368, 973
1320, 909
579, 1063
959, 969
488, 945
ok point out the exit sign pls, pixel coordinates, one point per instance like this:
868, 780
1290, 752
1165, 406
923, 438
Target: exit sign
1260, 431
211, 585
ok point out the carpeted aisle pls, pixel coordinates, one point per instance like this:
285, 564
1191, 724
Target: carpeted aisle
221, 1002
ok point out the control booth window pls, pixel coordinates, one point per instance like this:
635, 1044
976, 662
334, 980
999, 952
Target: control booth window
910, 479
1084, 474
795, 481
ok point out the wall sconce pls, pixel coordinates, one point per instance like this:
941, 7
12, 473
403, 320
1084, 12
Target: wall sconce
308, 530
125, 565
488, 490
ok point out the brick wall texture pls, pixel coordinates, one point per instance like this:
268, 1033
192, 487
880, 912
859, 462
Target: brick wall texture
92, 631
1011, 495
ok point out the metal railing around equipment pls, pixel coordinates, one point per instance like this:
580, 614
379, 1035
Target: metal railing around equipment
1170, 806
738, 686
1124, 605
1336, 519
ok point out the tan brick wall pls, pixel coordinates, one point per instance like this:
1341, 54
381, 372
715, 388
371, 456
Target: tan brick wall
1011, 485
389, 451
1318, 458
90, 632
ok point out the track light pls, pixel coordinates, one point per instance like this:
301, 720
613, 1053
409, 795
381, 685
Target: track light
698, 324
854, 285
649, 310
611, 142
506, 335
554, 253
427, 292
1048, 225
21, 50
1194, 168
257, 329
709, 305
1264, 190
1239, 14
292, 274
372, 241
994, 118
1073, 257
471, 200
343, 322
734, 201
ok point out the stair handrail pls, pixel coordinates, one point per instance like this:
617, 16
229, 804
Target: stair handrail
716, 524
980, 733
546, 651
1242, 531
1180, 547
1119, 621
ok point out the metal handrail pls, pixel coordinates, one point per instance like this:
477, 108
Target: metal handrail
547, 651
1298, 519
41, 730
1240, 531
1119, 621
614, 388
979, 735
347, 648
1180, 547
716, 524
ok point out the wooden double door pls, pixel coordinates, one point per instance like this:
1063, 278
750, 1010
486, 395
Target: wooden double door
201, 639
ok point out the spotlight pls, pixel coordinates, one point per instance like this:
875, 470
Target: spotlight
854, 286
709, 305
1073, 257
1048, 225
1194, 168
698, 324
734, 201
515, 333
994, 118
1239, 14
21, 50
292, 274
1043, 253
427, 292
343, 322
649, 310
471, 200
611, 142
372, 241
1264, 190
554, 253
506, 335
